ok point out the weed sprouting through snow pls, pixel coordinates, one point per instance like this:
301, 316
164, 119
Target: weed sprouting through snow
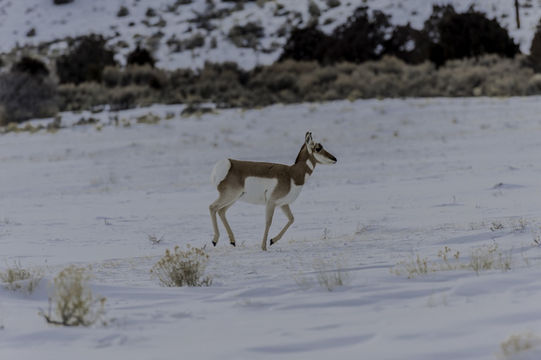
481, 259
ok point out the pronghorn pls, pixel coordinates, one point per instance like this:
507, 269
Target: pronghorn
263, 183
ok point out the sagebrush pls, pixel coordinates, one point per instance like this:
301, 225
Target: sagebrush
182, 267
72, 302
17, 278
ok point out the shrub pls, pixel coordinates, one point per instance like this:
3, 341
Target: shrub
30, 66
17, 278
140, 57
246, 36
61, 2
305, 45
193, 42
129, 97
360, 39
535, 50
333, 3
84, 96
135, 75
23, 97
182, 268
469, 34
313, 9
408, 44
123, 11
73, 301
87, 58
520, 343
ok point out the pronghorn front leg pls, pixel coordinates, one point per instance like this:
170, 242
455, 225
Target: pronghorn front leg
268, 215
290, 219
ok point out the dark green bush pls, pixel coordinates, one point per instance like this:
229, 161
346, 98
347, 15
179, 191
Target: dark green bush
535, 50
140, 56
465, 35
25, 96
85, 61
30, 66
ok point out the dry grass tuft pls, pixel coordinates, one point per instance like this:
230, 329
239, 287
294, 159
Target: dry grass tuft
17, 278
182, 268
73, 303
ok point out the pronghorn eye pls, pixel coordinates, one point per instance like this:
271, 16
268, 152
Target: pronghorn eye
319, 147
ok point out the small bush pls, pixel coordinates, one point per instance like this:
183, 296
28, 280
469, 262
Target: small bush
73, 301
182, 268
17, 278
85, 61
140, 57
535, 50
246, 36
469, 34
519, 343
24, 96
129, 97
84, 96
313, 9
123, 11
30, 66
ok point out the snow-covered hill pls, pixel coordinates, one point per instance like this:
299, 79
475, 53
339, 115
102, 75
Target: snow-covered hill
171, 21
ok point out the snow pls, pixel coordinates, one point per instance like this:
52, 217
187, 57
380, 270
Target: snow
81, 17
412, 177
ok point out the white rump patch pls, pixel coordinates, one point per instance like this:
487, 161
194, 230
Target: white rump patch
220, 171
258, 190
291, 196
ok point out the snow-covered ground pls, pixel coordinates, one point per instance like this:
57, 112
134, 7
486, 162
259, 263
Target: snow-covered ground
51, 22
412, 177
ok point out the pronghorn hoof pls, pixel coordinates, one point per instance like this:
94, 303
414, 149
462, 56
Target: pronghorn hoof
214, 243
233, 244
271, 242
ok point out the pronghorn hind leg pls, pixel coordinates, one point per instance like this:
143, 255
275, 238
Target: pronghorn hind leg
290, 219
221, 213
226, 199
268, 221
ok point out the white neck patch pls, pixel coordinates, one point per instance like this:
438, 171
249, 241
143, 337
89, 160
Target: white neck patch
310, 165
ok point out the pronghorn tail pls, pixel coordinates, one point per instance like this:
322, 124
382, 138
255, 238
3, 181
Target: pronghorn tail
219, 172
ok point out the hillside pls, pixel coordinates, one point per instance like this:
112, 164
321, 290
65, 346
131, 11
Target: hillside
188, 33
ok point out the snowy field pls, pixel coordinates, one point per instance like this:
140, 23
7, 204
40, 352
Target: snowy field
413, 176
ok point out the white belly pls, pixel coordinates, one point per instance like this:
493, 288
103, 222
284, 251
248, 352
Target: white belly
258, 190
291, 196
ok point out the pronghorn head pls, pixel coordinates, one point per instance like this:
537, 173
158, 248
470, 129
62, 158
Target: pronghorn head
321, 155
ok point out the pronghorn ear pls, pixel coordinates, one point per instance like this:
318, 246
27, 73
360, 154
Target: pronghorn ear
309, 142
308, 138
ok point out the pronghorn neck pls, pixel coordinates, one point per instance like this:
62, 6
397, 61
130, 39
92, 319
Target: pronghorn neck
304, 165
